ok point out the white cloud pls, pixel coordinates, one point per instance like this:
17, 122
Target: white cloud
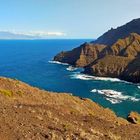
41, 34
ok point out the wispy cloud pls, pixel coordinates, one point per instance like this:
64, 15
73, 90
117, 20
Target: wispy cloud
40, 34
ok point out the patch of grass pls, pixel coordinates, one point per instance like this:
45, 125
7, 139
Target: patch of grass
6, 92
91, 114
19, 93
138, 120
17, 82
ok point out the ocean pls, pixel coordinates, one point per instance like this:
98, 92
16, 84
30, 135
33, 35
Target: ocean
31, 61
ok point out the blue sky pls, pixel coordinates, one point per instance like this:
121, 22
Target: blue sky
66, 18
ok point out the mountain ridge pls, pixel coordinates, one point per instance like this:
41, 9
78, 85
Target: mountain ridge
119, 60
111, 36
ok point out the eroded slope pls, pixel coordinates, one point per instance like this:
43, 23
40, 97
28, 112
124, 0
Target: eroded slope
30, 113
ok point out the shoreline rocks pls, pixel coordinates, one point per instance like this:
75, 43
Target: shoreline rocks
134, 117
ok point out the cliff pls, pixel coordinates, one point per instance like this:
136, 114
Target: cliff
121, 60
118, 57
81, 56
30, 113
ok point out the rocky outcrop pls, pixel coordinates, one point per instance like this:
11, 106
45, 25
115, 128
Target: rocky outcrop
134, 117
81, 56
118, 57
121, 60
30, 113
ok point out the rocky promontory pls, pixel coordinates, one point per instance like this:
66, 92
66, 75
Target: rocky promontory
30, 113
117, 58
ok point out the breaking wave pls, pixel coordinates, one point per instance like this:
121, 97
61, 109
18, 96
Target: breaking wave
57, 62
71, 68
88, 77
114, 96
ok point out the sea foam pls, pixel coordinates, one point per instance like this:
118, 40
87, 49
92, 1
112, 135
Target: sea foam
71, 68
114, 96
57, 62
81, 76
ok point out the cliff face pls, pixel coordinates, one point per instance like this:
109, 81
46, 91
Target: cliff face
81, 56
118, 57
30, 113
121, 60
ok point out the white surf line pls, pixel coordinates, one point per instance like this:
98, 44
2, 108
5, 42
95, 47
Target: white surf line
57, 62
88, 77
71, 68
115, 96
81, 76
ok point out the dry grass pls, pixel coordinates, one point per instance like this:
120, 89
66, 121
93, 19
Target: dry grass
6, 92
113, 136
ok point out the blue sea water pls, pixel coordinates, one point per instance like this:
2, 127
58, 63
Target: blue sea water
30, 61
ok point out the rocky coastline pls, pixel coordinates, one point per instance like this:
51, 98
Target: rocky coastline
117, 58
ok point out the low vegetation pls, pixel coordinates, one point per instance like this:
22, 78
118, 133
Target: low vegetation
6, 92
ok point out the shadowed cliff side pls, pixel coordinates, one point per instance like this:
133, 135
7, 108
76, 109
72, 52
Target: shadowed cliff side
81, 56
121, 60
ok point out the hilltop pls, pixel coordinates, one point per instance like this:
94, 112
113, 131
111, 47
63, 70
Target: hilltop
111, 36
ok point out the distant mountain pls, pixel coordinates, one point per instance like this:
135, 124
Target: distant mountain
110, 37
31, 35
115, 54
9, 35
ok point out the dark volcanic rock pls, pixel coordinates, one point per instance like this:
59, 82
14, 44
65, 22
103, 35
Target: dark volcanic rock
118, 57
134, 117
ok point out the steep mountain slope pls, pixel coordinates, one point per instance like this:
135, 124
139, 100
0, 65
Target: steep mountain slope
121, 60
118, 57
81, 56
30, 113
110, 37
